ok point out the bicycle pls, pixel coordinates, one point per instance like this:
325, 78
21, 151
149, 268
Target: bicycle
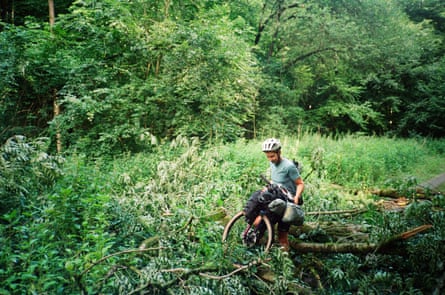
236, 231
262, 235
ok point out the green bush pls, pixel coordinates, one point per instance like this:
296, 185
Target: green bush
25, 170
50, 239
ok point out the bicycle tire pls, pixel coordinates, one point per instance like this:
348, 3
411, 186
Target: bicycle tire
230, 235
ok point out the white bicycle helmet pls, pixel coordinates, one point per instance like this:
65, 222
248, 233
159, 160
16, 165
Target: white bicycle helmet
271, 145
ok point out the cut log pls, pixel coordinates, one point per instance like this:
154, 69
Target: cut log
393, 205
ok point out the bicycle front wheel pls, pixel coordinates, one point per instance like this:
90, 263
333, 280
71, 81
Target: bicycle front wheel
236, 229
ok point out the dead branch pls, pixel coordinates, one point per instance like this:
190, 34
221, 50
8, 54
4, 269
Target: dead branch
408, 234
238, 269
93, 264
184, 274
415, 231
393, 205
357, 248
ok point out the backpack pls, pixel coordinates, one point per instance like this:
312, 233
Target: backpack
298, 166
300, 169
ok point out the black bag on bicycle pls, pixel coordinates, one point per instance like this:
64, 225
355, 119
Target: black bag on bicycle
260, 200
253, 207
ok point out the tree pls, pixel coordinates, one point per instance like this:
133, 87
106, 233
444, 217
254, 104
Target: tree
342, 64
29, 77
147, 76
313, 49
427, 102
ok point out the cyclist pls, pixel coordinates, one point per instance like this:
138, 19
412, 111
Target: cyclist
285, 173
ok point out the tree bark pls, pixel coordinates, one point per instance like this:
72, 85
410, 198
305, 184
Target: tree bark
56, 106
355, 248
56, 113
389, 246
333, 231
419, 192
52, 14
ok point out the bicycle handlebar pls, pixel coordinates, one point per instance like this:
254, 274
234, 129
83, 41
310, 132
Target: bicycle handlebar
285, 191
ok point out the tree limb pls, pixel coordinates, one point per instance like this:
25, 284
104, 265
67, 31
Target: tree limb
279, 11
93, 264
314, 52
184, 273
359, 248
419, 192
238, 269
348, 212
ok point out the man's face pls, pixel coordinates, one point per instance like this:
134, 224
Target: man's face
273, 157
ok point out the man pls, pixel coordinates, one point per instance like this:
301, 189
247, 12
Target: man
285, 173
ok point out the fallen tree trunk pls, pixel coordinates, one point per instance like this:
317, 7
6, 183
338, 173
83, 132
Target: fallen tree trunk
332, 231
355, 248
419, 192
386, 246
350, 212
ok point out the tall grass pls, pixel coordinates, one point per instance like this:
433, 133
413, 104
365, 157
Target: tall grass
366, 161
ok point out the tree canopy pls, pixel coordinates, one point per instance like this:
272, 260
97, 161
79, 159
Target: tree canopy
127, 74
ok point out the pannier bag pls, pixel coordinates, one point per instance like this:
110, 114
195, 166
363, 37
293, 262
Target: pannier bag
293, 214
277, 206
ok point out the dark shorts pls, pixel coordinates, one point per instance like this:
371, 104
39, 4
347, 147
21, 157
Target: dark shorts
281, 226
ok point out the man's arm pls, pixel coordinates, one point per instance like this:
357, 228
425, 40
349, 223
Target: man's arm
300, 188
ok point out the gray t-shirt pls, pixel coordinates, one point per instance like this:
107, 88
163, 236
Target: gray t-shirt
285, 173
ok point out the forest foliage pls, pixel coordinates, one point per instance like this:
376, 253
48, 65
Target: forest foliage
153, 221
128, 73
160, 107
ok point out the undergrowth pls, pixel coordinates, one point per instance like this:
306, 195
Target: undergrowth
153, 221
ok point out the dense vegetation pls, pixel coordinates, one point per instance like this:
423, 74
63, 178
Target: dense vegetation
130, 132
126, 73
153, 221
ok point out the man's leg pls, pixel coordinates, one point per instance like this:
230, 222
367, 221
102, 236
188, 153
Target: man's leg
283, 235
283, 238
